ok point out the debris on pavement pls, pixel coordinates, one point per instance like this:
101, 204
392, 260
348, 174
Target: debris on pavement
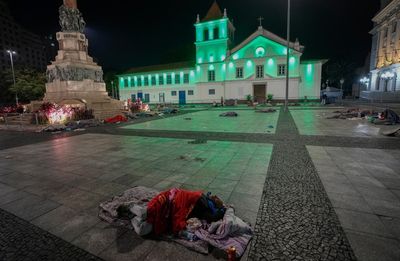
169, 110
54, 128
80, 129
352, 113
269, 110
198, 141
229, 114
190, 158
392, 133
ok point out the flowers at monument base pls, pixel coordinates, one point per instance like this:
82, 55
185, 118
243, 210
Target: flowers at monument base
51, 113
12, 109
55, 114
139, 106
60, 114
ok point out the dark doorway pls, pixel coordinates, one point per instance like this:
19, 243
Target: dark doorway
260, 93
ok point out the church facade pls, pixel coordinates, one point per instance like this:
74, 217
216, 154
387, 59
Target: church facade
384, 81
256, 67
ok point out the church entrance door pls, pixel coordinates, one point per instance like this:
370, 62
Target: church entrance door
260, 93
182, 97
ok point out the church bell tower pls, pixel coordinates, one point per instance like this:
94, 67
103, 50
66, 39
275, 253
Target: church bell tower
214, 35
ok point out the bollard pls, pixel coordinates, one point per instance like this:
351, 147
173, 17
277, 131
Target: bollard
36, 119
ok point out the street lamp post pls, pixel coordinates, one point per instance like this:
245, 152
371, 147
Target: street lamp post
116, 91
11, 53
287, 58
341, 86
112, 89
363, 81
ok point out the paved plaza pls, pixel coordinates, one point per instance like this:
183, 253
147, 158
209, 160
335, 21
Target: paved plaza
313, 188
209, 121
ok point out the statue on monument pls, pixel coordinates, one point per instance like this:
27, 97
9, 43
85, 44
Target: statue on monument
71, 19
71, 4
74, 76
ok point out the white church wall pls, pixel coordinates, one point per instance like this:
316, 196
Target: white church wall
310, 85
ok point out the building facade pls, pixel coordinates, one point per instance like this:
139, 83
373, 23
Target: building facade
256, 67
30, 48
384, 80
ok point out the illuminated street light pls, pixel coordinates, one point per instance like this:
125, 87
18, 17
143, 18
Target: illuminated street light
387, 76
11, 53
364, 80
287, 57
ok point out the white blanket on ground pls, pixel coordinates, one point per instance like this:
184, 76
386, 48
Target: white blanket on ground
134, 199
231, 231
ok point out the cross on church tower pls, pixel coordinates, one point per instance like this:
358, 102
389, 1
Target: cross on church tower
260, 19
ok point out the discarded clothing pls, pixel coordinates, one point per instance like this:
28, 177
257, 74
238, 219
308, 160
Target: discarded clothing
190, 158
229, 114
352, 113
116, 119
88, 123
169, 111
54, 128
170, 209
197, 141
270, 110
231, 231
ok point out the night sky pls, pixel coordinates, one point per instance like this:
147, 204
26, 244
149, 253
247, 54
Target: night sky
125, 34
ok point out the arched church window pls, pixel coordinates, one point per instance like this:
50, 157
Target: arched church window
216, 33
260, 51
205, 35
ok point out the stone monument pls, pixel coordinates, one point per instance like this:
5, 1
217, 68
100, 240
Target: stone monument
73, 78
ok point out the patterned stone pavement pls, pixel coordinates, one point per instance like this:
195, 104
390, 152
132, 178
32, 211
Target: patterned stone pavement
295, 220
20, 240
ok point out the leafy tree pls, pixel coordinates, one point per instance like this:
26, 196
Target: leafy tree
5, 94
29, 85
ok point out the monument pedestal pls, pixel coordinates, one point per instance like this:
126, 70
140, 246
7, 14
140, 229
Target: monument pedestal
74, 79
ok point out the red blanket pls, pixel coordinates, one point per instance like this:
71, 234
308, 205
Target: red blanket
168, 211
118, 118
